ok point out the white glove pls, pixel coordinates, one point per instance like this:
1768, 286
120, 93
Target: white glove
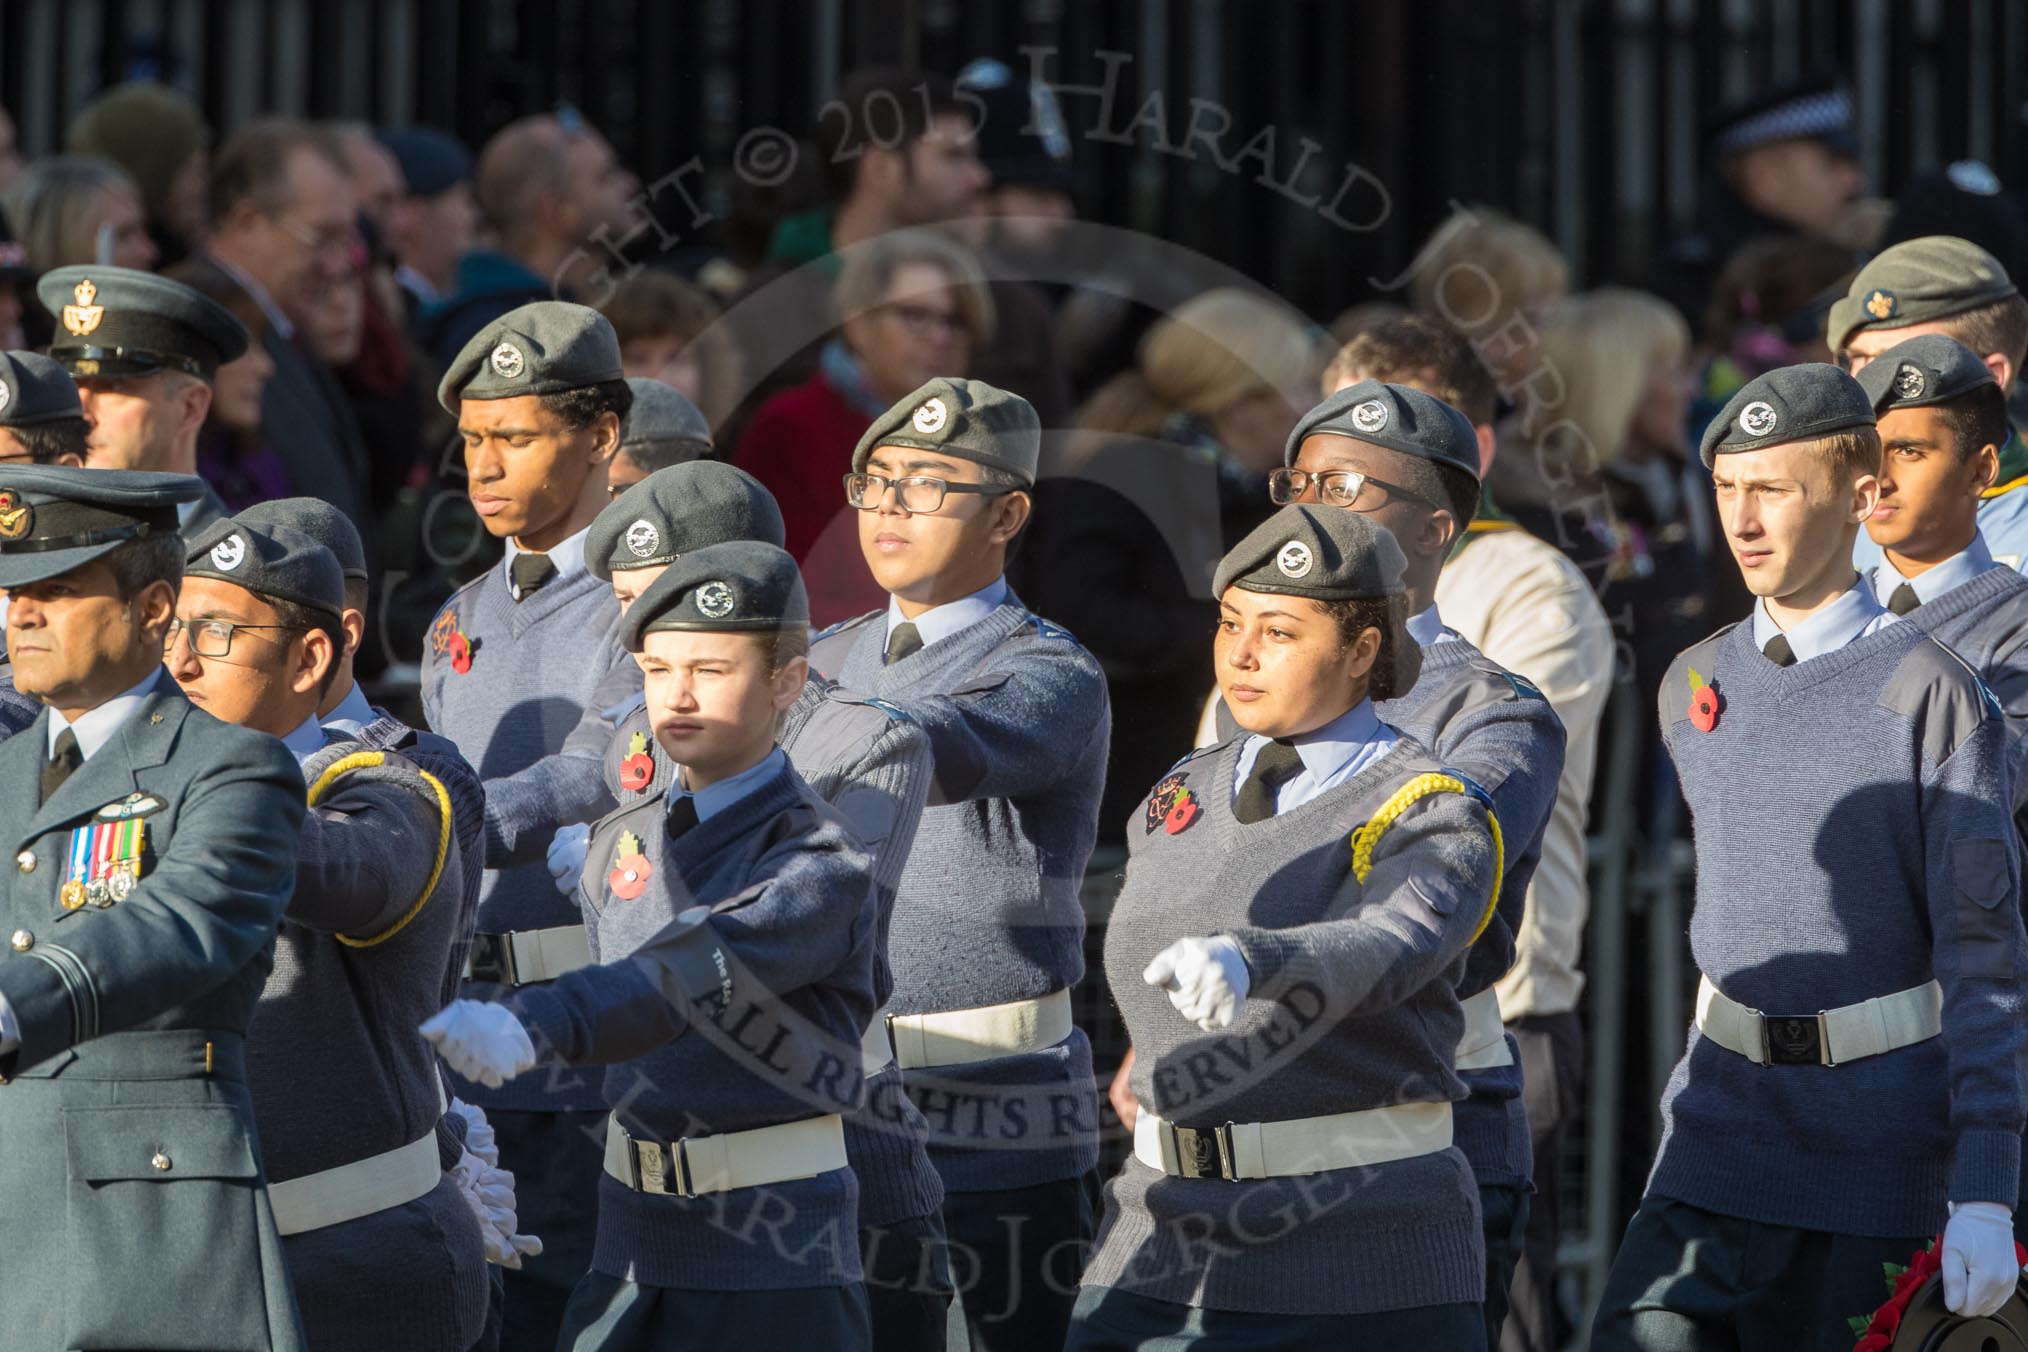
1979, 1271
489, 1191
481, 1041
1206, 979
566, 856
478, 1131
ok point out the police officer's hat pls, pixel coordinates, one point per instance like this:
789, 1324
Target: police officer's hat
1790, 403
966, 419
544, 347
271, 561
120, 322
1931, 369
320, 521
1399, 417
54, 518
677, 511
34, 390
741, 585
661, 416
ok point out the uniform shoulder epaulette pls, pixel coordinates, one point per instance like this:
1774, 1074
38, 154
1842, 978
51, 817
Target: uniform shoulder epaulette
888, 707
843, 625
1522, 687
1047, 629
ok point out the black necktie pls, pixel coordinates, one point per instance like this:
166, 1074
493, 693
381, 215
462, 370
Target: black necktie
530, 572
901, 641
1779, 652
1903, 600
1276, 765
61, 763
682, 815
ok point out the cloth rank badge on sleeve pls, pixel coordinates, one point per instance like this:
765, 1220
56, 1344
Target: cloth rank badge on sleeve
104, 862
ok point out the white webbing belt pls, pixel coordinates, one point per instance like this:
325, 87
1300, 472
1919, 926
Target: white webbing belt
876, 1053
734, 1159
959, 1036
539, 955
1829, 1037
1484, 1044
333, 1196
1303, 1145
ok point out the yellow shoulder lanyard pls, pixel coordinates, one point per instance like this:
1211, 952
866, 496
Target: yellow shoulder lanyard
367, 760
1366, 837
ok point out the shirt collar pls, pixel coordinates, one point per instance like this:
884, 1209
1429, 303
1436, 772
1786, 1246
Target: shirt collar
1427, 627
416, 284
567, 557
1325, 750
276, 319
1850, 616
952, 617
307, 739
352, 714
713, 799
95, 727
1952, 573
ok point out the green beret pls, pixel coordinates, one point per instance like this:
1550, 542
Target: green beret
1930, 369
1394, 416
272, 561
35, 390
54, 518
677, 511
740, 585
966, 419
1325, 553
120, 322
545, 347
1914, 282
1790, 403
320, 521
661, 416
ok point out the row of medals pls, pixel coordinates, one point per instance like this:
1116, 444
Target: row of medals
101, 892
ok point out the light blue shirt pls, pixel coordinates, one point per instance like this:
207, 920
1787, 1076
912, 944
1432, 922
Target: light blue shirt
713, 799
1427, 627
1331, 755
95, 727
952, 617
307, 739
2003, 525
352, 714
1853, 615
1952, 573
567, 558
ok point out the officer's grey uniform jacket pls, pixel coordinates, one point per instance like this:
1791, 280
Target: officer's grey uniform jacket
338, 1069
135, 1213
736, 983
988, 910
534, 668
1353, 1006
524, 809
871, 763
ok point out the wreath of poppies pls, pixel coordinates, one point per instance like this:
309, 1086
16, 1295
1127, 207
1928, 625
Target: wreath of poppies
1876, 1331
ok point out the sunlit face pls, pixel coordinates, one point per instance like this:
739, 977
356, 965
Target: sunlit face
1785, 518
915, 555
1408, 519
271, 677
143, 422
530, 471
712, 701
72, 637
1929, 495
1862, 347
1283, 665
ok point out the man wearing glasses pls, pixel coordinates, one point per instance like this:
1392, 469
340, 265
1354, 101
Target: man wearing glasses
283, 227
987, 932
157, 851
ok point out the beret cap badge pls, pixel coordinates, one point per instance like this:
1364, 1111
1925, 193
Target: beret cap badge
228, 553
1370, 416
83, 316
508, 363
643, 539
1295, 559
929, 419
715, 600
1909, 382
1758, 418
16, 516
1881, 304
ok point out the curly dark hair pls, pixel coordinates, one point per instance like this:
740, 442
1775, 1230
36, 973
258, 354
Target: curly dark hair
583, 406
1388, 614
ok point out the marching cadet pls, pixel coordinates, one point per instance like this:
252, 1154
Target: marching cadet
737, 929
663, 428
1410, 462
1291, 988
872, 764
144, 351
1852, 1079
384, 1249
40, 424
987, 932
1940, 284
155, 852
512, 662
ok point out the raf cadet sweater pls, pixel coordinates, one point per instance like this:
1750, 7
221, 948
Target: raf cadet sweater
1853, 839
1353, 1005
988, 911
535, 667
1502, 734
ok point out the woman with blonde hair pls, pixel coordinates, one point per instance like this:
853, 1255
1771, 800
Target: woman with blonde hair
69, 209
